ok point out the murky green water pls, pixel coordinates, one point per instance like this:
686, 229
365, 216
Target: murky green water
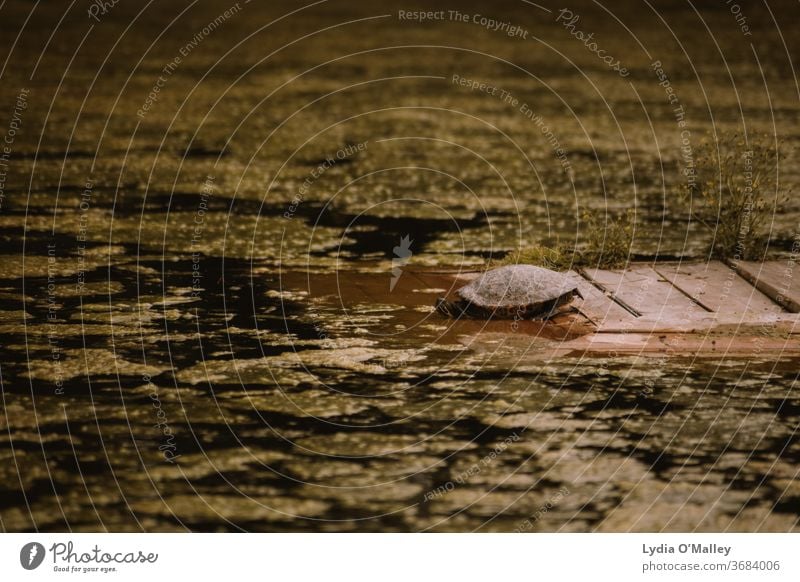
189, 331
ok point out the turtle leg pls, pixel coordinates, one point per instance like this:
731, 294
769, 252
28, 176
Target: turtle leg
549, 308
469, 310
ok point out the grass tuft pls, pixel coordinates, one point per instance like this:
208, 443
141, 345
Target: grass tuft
558, 257
734, 191
607, 246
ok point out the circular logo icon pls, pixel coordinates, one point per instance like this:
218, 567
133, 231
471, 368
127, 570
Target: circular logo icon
31, 555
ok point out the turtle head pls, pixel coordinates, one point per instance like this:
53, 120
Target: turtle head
444, 307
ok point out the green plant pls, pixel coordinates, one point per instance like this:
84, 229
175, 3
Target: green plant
607, 246
732, 191
558, 257
608, 242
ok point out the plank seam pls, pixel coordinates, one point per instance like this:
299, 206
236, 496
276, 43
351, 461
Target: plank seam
602, 288
686, 293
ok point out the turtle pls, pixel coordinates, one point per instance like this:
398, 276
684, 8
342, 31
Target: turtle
511, 292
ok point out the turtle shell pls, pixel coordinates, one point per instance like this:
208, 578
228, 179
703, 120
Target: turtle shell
524, 286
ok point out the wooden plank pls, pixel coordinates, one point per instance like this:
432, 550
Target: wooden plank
657, 301
776, 279
721, 290
598, 306
677, 345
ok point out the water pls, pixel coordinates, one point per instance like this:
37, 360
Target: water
205, 337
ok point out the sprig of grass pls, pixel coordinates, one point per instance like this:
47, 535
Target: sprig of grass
735, 188
607, 246
558, 257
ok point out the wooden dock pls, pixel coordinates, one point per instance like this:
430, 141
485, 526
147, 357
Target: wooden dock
742, 309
